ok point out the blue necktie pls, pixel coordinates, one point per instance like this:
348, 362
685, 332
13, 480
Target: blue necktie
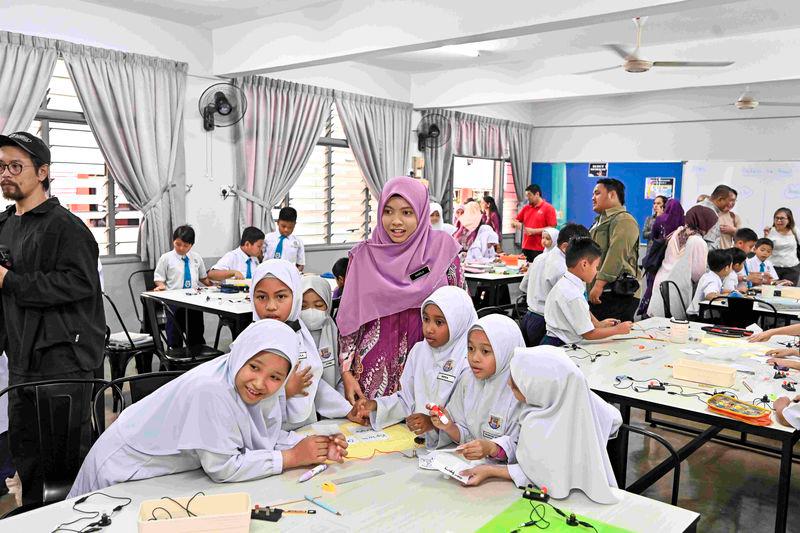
187, 273
747, 273
249, 272
279, 249
761, 268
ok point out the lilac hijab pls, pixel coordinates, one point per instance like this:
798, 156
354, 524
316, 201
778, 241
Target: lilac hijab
379, 274
668, 221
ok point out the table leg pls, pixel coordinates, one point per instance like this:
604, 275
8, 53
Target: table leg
783, 486
241, 325
618, 448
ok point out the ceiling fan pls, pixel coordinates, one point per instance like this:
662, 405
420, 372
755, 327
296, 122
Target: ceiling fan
748, 101
635, 64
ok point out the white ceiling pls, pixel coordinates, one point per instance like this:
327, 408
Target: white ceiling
715, 22
210, 13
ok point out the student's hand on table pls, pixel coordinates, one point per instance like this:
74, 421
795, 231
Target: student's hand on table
623, 328
419, 423
437, 422
311, 450
477, 449
477, 474
758, 337
352, 390
298, 382
779, 353
784, 282
781, 403
157, 287
609, 323
364, 407
237, 275
594, 295
337, 448
754, 277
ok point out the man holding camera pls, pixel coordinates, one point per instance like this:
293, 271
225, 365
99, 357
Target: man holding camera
52, 324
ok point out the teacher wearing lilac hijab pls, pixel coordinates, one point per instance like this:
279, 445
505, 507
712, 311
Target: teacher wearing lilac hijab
388, 278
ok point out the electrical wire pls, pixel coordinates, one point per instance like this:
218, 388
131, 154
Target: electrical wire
189, 513
92, 515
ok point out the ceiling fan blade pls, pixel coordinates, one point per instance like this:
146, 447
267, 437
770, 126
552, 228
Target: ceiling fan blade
712, 106
692, 63
604, 69
619, 50
779, 104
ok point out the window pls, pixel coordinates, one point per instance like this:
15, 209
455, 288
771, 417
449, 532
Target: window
333, 203
78, 174
476, 178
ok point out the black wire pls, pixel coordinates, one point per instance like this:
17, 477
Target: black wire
91, 514
592, 356
186, 508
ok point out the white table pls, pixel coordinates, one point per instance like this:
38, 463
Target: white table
788, 315
601, 376
405, 498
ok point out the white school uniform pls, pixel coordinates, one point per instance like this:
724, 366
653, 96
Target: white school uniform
733, 283
792, 414
753, 264
441, 226
566, 310
301, 410
708, 283
430, 374
237, 260
564, 427
543, 275
170, 267
486, 408
198, 420
482, 249
292, 251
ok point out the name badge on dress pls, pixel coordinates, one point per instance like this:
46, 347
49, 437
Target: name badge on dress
443, 376
327, 358
302, 356
424, 271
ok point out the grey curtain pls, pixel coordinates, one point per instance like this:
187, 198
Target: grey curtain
520, 140
378, 133
134, 105
275, 140
26, 65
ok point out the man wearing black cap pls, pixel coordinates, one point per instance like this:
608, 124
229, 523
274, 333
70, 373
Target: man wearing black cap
51, 309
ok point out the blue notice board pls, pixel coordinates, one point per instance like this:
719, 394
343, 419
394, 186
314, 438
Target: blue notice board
578, 186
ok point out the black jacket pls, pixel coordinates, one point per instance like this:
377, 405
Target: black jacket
51, 306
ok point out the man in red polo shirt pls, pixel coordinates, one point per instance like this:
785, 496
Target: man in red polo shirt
533, 218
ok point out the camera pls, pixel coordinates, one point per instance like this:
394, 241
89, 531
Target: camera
5, 257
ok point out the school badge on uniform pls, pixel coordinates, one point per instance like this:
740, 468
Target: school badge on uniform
448, 365
325, 353
495, 422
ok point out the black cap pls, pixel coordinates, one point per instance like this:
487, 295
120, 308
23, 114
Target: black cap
30, 143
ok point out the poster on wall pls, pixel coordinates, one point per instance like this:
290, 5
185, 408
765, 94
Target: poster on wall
659, 187
598, 170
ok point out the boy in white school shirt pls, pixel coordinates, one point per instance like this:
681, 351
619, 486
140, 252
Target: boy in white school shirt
282, 244
760, 264
544, 273
182, 269
736, 280
710, 284
241, 262
566, 310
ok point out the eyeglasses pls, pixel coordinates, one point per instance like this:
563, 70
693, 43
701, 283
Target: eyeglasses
781, 218
15, 169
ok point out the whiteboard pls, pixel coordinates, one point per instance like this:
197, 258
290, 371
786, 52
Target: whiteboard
763, 187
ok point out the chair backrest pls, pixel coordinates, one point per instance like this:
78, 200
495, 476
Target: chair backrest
63, 408
491, 310
521, 306
140, 386
159, 333
335, 307
664, 288
121, 322
147, 283
738, 312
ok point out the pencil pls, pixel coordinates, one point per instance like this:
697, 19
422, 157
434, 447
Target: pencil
747, 386
324, 506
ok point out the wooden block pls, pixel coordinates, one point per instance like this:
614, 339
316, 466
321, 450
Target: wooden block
699, 372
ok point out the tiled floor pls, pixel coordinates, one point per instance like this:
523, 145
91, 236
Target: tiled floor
732, 489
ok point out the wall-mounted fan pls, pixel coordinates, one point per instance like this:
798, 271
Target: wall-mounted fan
432, 131
221, 105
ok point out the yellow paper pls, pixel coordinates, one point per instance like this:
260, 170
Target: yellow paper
722, 342
400, 438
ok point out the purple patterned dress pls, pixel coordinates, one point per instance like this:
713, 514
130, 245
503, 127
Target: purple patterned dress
376, 353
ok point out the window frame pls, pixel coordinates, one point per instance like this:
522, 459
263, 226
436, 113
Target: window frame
498, 185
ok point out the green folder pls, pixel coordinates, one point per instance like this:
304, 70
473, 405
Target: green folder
519, 512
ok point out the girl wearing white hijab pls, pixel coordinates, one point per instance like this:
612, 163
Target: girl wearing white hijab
211, 418
483, 412
434, 365
484, 248
276, 293
437, 220
316, 315
564, 429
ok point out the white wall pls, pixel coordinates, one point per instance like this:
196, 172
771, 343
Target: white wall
742, 140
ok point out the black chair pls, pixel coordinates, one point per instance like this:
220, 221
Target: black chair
664, 289
183, 357
139, 386
62, 405
493, 310
740, 313
676, 476
147, 284
120, 348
